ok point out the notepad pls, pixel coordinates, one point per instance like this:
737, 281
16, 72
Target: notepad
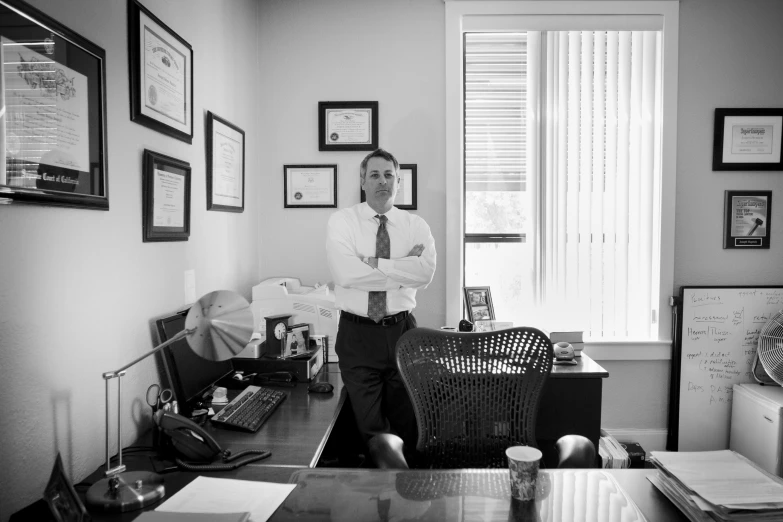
217, 495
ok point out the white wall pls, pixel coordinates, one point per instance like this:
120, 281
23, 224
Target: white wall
389, 51
78, 288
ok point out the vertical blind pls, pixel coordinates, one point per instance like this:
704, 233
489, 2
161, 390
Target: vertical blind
574, 118
598, 164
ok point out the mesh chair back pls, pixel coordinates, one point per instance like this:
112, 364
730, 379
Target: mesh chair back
474, 394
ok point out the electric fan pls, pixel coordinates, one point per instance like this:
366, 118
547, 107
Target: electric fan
770, 352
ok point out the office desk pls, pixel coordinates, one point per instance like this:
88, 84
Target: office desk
307, 424
298, 431
332, 494
570, 404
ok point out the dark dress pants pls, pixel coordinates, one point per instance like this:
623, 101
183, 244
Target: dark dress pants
367, 360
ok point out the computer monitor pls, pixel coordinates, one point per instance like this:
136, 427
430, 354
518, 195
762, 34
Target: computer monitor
189, 375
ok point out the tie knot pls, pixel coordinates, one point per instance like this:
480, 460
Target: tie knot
382, 219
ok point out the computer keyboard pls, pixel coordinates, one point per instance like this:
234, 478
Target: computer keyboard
250, 409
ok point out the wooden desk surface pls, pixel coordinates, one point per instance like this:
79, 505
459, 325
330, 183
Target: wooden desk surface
297, 431
585, 368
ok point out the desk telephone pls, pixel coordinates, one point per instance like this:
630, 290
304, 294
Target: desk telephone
193, 443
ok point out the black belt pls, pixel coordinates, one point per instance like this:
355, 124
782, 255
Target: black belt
389, 320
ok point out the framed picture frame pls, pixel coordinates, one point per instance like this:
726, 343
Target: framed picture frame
747, 139
297, 341
747, 219
407, 193
225, 165
310, 186
61, 497
52, 112
347, 126
161, 75
478, 300
165, 198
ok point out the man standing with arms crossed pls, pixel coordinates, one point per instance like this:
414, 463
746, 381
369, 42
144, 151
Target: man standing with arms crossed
379, 256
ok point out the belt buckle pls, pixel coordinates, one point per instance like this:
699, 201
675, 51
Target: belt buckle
388, 320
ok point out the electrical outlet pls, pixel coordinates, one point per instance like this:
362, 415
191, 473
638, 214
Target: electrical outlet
190, 286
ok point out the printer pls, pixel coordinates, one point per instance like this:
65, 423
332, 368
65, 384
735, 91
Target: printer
312, 305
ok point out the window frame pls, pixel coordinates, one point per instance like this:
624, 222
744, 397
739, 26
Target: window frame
462, 16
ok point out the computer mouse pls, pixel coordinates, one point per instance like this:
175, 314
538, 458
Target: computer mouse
320, 387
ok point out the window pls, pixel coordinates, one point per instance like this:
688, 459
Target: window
564, 180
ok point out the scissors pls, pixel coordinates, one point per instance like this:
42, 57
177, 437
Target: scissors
159, 398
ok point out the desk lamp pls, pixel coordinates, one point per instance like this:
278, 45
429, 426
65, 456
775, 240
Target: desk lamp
217, 327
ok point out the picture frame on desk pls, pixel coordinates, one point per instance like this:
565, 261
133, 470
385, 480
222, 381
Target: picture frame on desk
165, 198
61, 497
53, 125
478, 301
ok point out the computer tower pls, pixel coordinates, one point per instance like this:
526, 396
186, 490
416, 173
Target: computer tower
756, 427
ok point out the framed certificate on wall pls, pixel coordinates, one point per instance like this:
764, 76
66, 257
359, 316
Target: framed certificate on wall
347, 126
161, 75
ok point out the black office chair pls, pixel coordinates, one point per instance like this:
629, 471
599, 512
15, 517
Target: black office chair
476, 394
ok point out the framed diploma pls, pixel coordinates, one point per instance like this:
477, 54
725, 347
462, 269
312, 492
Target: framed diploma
747, 219
52, 112
406, 192
347, 126
165, 198
747, 139
310, 186
161, 75
225, 165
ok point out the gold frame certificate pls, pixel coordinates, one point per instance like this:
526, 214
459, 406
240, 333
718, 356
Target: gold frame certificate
347, 126
161, 75
310, 186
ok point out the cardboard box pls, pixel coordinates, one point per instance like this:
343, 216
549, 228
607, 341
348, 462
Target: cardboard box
636, 453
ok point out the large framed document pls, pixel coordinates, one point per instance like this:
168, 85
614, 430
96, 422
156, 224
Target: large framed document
165, 198
347, 126
225, 165
310, 186
747, 139
52, 112
161, 75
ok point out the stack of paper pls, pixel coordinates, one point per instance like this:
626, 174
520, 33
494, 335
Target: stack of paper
718, 485
612, 453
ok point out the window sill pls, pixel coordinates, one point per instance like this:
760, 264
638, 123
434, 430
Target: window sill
629, 350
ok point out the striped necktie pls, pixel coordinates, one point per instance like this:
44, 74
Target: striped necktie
376, 303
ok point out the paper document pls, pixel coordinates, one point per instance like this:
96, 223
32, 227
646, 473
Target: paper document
216, 495
722, 478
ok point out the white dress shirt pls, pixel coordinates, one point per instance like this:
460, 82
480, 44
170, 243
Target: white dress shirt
350, 239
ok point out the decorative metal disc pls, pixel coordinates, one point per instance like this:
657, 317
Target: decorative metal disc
223, 323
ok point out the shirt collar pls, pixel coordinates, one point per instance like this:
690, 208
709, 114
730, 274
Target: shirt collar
368, 213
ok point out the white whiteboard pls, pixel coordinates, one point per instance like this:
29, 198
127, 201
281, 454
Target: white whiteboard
717, 341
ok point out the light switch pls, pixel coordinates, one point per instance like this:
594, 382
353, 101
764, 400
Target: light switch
190, 286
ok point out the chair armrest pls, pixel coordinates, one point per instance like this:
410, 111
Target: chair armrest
575, 451
386, 451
